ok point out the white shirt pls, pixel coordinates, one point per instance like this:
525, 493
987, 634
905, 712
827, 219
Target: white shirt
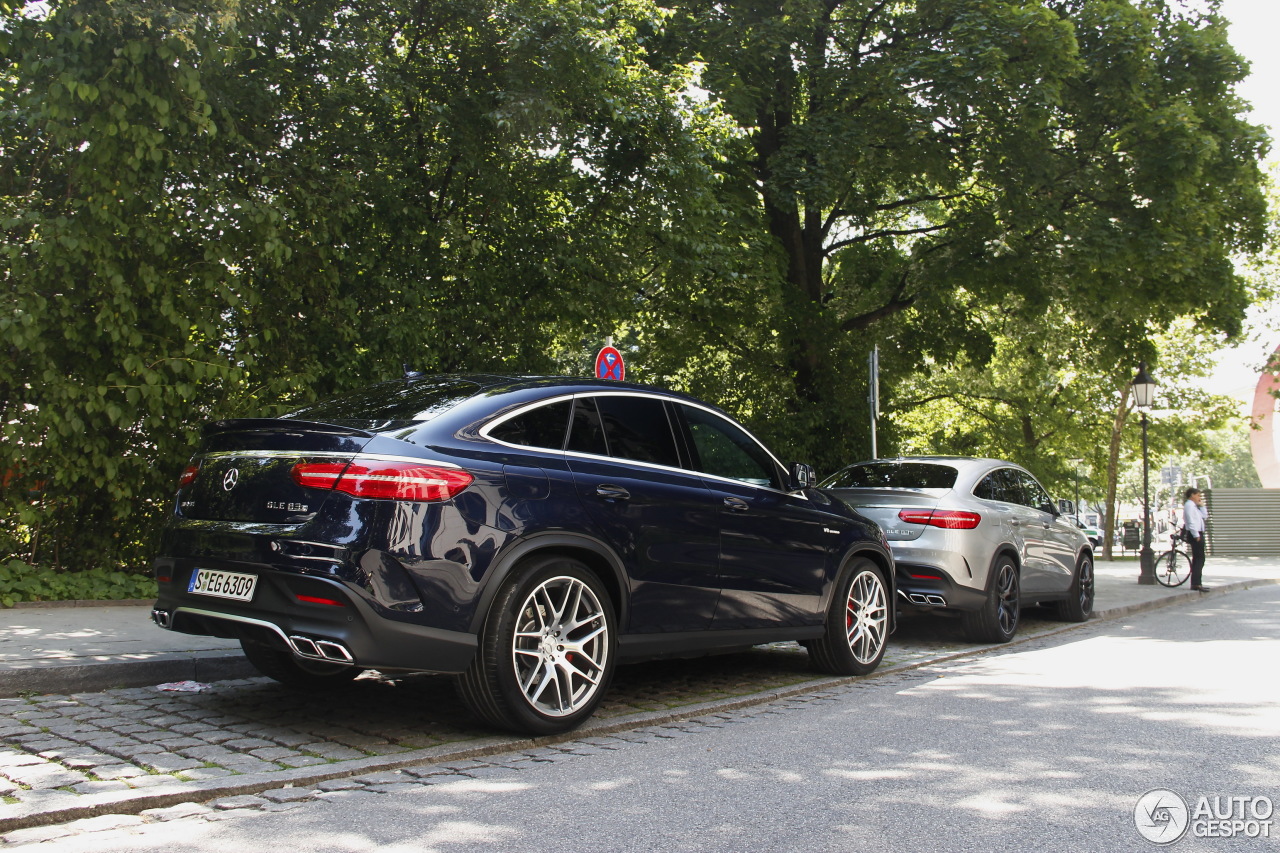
1193, 516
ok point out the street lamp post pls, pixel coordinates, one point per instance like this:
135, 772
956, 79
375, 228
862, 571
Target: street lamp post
1144, 390
1076, 464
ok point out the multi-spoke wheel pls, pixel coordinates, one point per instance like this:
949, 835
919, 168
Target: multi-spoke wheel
546, 652
1173, 567
997, 620
857, 623
1079, 606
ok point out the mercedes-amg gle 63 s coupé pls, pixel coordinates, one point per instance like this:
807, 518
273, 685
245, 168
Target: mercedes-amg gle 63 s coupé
526, 534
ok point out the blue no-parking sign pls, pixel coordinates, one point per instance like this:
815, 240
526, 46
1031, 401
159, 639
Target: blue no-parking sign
609, 365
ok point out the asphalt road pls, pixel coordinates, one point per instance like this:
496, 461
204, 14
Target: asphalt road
1049, 745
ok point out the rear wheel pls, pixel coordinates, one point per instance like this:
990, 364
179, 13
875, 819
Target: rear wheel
857, 623
1079, 607
288, 668
546, 652
997, 620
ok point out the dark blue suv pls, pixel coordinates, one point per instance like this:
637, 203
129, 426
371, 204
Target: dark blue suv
527, 534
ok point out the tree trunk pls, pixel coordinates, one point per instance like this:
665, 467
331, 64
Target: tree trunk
1113, 471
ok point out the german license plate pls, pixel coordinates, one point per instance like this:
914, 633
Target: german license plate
222, 584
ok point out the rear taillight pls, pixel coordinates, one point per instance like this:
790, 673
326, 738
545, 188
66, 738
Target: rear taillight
400, 481
948, 519
188, 476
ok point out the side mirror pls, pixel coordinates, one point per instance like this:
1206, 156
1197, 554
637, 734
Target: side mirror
802, 475
1066, 507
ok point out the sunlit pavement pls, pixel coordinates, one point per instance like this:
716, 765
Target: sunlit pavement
72, 755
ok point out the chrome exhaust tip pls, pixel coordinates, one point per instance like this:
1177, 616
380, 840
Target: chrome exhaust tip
305, 647
162, 618
330, 650
326, 650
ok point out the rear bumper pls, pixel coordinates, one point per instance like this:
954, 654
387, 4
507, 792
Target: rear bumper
348, 631
929, 587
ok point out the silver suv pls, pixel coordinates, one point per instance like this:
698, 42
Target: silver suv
977, 536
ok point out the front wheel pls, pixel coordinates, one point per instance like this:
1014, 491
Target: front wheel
546, 652
997, 620
857, 623
1173, 568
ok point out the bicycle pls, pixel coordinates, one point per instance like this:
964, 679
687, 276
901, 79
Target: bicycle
1173, 567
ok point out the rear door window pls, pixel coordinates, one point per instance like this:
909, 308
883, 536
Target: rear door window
1002, 484
637, 428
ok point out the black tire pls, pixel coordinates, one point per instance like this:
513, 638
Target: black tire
857, 623
1079, 607
288, 668
1173, 567
997, 620
524, 676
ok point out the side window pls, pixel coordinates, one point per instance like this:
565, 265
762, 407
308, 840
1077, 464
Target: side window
586, 433
725, 450
1000, 485
544, 426
1033, 494
637, 428
986, 488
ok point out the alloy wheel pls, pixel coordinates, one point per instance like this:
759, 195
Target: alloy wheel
560, 646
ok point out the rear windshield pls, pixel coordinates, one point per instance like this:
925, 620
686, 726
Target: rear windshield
388, 405
893, 475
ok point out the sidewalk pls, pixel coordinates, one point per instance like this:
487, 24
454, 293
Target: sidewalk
84, 647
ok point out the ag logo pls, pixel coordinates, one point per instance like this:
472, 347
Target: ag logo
1161, 816
230, 479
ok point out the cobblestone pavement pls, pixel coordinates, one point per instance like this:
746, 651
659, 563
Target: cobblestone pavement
131, 750
497, 769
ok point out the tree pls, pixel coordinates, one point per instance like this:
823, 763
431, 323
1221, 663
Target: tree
231, 209
901, 167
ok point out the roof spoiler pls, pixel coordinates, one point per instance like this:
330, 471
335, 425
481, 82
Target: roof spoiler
278, 424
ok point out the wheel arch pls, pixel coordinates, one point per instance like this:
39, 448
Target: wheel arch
1003, 550
884, 562
595, 555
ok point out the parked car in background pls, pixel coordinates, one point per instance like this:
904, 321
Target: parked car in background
1094, 535
527, 534
978, 537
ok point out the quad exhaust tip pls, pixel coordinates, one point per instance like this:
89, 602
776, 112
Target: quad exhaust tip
162, 618
326, 650
925, 600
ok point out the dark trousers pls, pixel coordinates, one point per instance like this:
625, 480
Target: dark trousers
1197, 560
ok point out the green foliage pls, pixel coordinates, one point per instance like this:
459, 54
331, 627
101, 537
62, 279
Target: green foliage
21, 581
234, 208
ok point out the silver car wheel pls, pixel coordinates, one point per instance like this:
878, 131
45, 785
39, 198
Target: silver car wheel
866, 617
560, 646
1007, 598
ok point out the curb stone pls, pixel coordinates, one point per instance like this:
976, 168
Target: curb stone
170, 796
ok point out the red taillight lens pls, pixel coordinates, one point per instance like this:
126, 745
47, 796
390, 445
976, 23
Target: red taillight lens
948, 519
318, 475
399, 481
188, 476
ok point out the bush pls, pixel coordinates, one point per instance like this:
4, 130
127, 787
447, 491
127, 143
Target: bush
21, 581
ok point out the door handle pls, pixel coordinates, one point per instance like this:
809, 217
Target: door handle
612, 493
736, 504
1015, 522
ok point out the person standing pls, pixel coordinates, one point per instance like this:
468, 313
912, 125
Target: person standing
1193, 521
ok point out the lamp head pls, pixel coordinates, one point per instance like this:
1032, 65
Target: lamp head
1144, 387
